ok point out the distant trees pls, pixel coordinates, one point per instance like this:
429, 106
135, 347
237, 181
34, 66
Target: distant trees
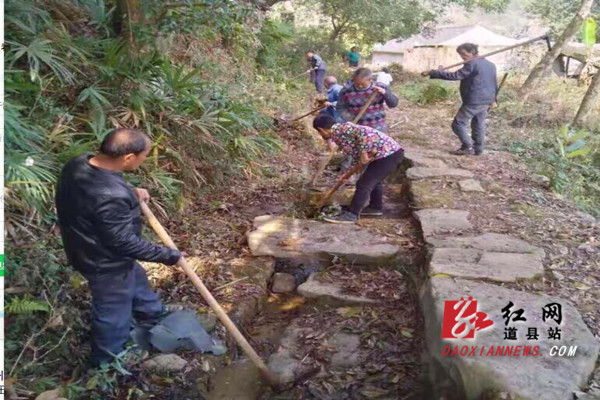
556, 12
377, 21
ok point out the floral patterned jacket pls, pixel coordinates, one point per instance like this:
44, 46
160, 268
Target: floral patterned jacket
354, 139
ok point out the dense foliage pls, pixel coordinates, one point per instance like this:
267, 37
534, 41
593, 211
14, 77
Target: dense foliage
201, 79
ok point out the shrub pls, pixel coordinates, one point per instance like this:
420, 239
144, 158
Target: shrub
426, 93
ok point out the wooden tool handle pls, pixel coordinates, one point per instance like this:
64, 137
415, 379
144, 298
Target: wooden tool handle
514, 46
309, 113
357, 168
221, 314
322, 168
363, 110
304, 73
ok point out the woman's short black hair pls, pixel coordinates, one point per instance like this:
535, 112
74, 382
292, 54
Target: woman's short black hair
323, 121
385, 70
469, 48
122, 141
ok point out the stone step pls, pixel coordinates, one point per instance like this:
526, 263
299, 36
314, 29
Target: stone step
470, 185
419, 159
437, 221
492, 266
492, 242
283, 237
532, 377
430, 194
330, 293
288, 363
416, 173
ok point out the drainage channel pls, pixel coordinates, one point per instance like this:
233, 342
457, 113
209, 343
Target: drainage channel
350, 330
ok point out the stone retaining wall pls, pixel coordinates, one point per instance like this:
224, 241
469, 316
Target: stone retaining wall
465, 264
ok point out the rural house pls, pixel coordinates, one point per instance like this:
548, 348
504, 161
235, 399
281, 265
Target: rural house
435, 47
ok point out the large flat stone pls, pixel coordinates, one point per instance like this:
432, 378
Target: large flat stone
289, 238
416, 173
330, 293
429, 153
476, 264
493, 242
284, 363
435, 221
429, 194
531, 377
347, 350
287, 362
419, 159
470, 185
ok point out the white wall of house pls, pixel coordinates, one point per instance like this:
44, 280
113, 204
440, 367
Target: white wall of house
382, 59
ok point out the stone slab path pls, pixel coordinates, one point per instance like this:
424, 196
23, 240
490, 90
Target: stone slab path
458, 267
534, 377
463, 264
330, 293
288, 238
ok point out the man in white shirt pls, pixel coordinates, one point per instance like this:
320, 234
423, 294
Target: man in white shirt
384, 77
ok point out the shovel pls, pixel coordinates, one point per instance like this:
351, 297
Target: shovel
221, 314
354, 170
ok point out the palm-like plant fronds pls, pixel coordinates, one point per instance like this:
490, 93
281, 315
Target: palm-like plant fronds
40, 52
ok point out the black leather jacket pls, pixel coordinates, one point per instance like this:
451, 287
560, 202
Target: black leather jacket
100, 221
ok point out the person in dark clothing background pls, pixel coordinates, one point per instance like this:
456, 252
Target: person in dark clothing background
478, 87
317, 70
100, 221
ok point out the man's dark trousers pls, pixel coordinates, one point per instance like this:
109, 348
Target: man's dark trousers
369, 188
319, 77
476, 115
116, 298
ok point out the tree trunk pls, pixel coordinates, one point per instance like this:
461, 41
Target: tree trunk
127, 14
338, 29
589, 102
335, 34
546, 63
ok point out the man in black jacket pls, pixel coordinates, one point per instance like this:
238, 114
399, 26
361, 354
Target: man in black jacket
100, 220
478, 87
